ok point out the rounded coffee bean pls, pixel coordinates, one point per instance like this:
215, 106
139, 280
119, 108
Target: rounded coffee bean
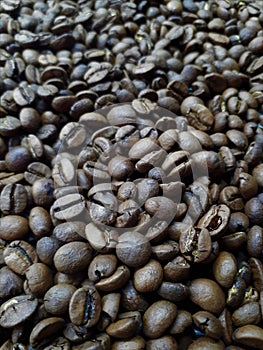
208, 324
44, 330
38, 278
40, 222
158, 317
69, 206
10, 284
149, 277
56, 299
127, 325
114, 282
57, 344
255, 241
17, 159
73, 257
136, 343
101, 266
42, 192
19, 255
13, 199
247, 314
174, 292
120, 168
133, 249
46, 248
207, 294
16, 310
182, 322
161, 207
254, 209
166, 342
225, 269
85, 307
249, 335
206, 343
132, 300
13, 227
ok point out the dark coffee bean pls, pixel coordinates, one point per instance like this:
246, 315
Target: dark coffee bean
149, 277
68, 207
102, 266
247, 314
38, 279
225, 269
46, 248
42, 192
12, 285
13, 227
160, 310
57, 298
17, 159
182, 322
249, 335
174, 292
44, 330
85, 307
254, 241
116, 281
40, 222
17, 310
127, 325
208, 324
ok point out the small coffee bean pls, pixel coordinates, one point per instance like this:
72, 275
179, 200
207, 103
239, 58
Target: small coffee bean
19, 256
17, 159
13, 199
73, 257
63, 173
13, 227
38, 278
127, 325
68, 207
208, 324
249, 335
247, 314
143, 147
176, 270
161, 207
116, 281
174, 292
42, 192
133, 249
225, 269
110, 304
102, 241
11, 284
102, 266
36, 171
56, 299
135, 343
46, 248
207, 294
40, 222
85, 307
149, 277
120, 168
44, 330
17, 310
182, 322
163, 310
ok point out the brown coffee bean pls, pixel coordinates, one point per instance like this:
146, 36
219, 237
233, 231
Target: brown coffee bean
13, 227
42, 192
249, 335
195, 244
63, 173
120, 168
215, 220
73, 257
236, 293
110, 304
19, 255
149, 277
38, 278
166, 342
44, 330
225, 269
133, 249
174, 292
253, 209
254, 241
161, 207
127, 325
182, 321
56, 299
11, 284
46, 248
17, 310
247, 314
13, 199
207, 294
102, 241
102, 266
17, 159
206, 343
176, 270
36, 171
135, 343
163, 310
39, 222
68, 207
85, 307
208, 324
116, 281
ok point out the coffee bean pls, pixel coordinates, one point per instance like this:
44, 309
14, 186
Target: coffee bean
38, 278
174, 292
17, 159
247, 314
40, 222
12, 285
44, 330
13, 199
127, 325
102, 266
72, 257
206, 342
13, 227
160, 310
225, 269
249, 335
19, 255
149, 277
57, 298
36, 171
85, 307
68, 207
133, 249
135, 343
17, 310
198, 289
208, 324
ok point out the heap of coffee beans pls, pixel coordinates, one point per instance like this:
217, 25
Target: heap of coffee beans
131, 175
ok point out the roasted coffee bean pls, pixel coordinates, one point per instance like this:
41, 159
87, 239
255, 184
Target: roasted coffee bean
163, 311
38, 278
13, 227
17, 159
135, 343
36, 171
46, 248
19, 255
127, 325
208, 324
206, 343
177, 270
40, 222
11, 284
68, 207
195, 244
225, 269
247, 314
182, 322
199, 289
57, 298
102, 266
44, 330
133, 249
249, 335
42, 192
110, 304
13, 199
174, 292
116, 281
85, 307
70, 231
73, 257
149, 277
17, 310
254, 241
101, 240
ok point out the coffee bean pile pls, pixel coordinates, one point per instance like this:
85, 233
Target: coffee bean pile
131, 175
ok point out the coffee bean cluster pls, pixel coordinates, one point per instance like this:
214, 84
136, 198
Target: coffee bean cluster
131, 174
